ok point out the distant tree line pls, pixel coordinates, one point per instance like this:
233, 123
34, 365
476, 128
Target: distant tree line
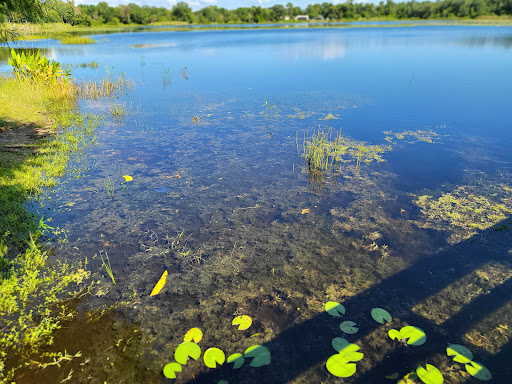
53, 11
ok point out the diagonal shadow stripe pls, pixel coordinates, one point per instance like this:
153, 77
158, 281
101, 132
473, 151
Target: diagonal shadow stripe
303, 346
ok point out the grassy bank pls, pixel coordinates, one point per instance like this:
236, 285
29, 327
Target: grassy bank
40, 129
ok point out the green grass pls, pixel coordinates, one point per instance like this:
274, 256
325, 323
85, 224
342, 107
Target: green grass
77, 40
32, 159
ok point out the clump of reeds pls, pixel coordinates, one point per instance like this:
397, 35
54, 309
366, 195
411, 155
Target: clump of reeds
77, 40
106, 88
323, 153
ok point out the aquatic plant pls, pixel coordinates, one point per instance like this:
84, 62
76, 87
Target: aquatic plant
77, 40
185, 350
171, 369
193, 334
109, 87
117, 110
349, 327
109, 185
237, 359
380, 315
260, 355
166, 77
107, 266
430, 375
38, 68
334, 309
213, 356
413, 335
243, 322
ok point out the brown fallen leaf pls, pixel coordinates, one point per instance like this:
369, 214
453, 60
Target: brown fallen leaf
306, 210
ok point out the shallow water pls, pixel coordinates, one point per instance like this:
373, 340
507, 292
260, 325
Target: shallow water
213, 136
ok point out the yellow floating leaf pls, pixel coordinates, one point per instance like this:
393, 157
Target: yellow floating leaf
127, 178
242, 321
307, 210
159, 285
194, 334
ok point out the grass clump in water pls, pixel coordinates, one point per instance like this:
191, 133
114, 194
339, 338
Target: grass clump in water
324, 153
110, 87
77, 40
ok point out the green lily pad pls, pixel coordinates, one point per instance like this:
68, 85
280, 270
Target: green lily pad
393, 376
431, 375
349, 352
394, 334
340, 367
415, 335
214, 356
478, 371
193, 334
348, 327
237, 359
242, 321
334, 309
255, 350
461, 353
338, 343
260, 360
186, 350
380, 315
171, 369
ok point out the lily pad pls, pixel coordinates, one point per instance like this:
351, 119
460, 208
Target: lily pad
214, 356
349, 352
171, 369
394, 334
334, 309
431, 375
460, 353
242, 321
340, 367
260, 353
127, 178
260, 360
237, 359
338, 343
223, 382
381, 315
256, 350
415, 335
186, 350
478, 371
194, 334
349, 327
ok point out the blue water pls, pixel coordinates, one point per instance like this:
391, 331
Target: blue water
211, 139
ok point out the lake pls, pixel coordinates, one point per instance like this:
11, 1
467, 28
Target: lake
410, 212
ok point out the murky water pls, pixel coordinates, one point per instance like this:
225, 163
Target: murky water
222, 199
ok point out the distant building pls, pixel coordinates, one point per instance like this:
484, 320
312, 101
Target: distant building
302, 17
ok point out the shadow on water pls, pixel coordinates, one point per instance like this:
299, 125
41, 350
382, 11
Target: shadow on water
300, 348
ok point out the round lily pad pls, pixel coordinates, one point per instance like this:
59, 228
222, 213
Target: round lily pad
194, 334
338, 343
460, 353
256, 350
415, 335
171, 369
260, 353
334, 309
186, 350
431, 375
349, 352
393, 376
340, 367
478, 371
242, 321
381, 315
394, 334
214, 356
349, 327
237, 359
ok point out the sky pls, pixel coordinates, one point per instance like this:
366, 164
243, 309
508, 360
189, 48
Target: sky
199, 4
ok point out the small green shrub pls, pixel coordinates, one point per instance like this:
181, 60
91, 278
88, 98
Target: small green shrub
38, 68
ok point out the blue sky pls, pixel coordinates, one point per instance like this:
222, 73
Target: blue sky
198, 4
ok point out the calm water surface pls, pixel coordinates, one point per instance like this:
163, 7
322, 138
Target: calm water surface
221, 199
